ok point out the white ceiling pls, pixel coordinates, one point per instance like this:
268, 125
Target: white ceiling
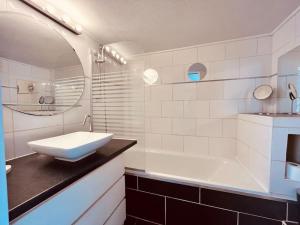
152, 25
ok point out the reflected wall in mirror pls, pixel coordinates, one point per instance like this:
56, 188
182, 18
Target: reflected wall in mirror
289, 81
41, 73
197, 72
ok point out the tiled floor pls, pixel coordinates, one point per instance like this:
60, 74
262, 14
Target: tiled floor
151, 201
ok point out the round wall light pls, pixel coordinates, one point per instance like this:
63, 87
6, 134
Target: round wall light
150, 76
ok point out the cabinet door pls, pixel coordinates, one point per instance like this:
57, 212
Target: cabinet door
119, 215
105, 206
68, 205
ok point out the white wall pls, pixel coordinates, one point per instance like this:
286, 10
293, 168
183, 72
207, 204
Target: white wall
20, 128
200, 118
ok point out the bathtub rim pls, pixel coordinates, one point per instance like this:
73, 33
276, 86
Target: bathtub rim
216, 187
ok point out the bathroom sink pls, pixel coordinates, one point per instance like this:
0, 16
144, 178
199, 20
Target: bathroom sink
71, 147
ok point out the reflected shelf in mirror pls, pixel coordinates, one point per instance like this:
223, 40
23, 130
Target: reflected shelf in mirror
50, 74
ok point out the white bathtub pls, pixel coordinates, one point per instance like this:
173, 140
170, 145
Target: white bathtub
203, 170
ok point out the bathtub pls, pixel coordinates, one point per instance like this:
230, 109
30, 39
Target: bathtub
205, 171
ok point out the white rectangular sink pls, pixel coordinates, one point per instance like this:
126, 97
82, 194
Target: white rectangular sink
71, 147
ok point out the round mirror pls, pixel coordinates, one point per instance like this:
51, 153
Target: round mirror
262, 92
292, 91
150, 76
41, 73
197, 72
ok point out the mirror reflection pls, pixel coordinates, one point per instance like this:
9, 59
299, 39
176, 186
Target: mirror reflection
197, 72
41, 73
289, 80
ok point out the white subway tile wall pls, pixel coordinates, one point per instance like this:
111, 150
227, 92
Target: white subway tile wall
200, 118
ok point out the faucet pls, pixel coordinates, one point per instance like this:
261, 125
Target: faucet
85, 119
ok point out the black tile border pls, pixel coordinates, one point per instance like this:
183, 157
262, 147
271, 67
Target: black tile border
179, 191
293, 213
251, 205
264, 212
245, 219
131, 181
145, 205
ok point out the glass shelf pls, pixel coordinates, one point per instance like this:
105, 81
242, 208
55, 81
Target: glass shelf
41, 105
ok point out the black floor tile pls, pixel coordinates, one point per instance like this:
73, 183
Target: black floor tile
131, 181
293, 212
180, 191
241, 203
185, 213
253, 220
146, 206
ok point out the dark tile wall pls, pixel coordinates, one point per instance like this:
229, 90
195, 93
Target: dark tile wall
151, 201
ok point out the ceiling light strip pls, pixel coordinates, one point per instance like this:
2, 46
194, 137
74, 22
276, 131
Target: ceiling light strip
114, 54
53, 14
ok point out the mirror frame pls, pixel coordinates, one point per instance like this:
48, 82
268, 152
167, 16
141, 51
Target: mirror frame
51, 26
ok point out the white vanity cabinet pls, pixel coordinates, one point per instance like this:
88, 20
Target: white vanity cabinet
95, 199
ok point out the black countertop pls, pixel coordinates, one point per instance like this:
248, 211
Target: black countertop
35, 178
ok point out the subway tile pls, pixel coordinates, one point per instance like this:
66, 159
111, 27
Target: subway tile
196, 109
249, 106
25, 122
131, 181
172, 74
240, 49
239, 89
180, 212
180, 191
222, 147
293, 211
172, 143
9, 146
153, 141
160, 59
172, 109
196, 145
210, 90
229, 128
264, 46
161, 125
184, 92
153, 109
285, 34
225, 69
161, 92
223, 108
18, 70
258, 206
146, 206
254, 220
184, 126
255, 66
209, 127
211, 53
7, 119
185, 56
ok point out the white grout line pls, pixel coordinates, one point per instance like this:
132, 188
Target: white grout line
202, 204
165, 210
143, 219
